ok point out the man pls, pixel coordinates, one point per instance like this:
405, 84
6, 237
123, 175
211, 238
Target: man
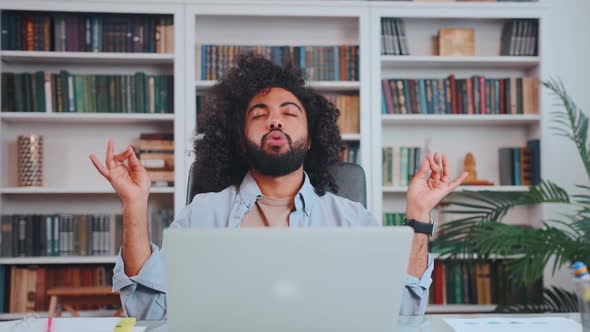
263, 162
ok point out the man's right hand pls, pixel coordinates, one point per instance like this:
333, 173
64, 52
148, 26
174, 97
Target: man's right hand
131, 181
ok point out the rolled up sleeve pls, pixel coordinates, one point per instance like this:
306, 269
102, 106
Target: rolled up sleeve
142, 296
415, 293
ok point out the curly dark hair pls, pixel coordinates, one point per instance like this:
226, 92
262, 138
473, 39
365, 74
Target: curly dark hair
220, 156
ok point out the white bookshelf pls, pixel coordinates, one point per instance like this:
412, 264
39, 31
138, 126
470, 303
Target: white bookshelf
71, 184
455, 134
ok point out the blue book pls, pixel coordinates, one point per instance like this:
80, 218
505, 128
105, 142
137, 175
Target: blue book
422, 100
203, 62
2, 287
302, 60
407, 96
435, 97
336, 63
516, 165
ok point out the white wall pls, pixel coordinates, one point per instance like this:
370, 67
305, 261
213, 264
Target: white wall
568, 52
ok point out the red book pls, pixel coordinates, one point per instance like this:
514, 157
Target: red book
438, 275
415, 109
454, 94
482, 95
502, 97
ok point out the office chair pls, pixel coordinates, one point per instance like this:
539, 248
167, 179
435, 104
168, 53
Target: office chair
350, 178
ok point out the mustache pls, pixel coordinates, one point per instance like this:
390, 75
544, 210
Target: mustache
265, 136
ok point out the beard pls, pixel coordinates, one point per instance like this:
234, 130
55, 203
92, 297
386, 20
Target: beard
275, 165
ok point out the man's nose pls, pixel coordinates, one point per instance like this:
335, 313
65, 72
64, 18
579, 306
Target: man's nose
275, 124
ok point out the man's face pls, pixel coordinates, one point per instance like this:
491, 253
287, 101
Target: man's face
275, 127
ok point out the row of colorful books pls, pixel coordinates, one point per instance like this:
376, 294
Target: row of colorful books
24, 288
77, 32
521, 166
393, 37
26, 235
400, 163
519, 38
67, 92
318, 63
475, 95
467, 281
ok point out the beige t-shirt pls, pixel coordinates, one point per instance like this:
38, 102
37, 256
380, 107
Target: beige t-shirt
269, 212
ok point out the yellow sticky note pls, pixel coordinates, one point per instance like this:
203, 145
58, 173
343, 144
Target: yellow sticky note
125, 324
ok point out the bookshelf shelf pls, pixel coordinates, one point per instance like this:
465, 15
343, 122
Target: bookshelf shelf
459, 308
351, 137
460, 119
87, 58
98, 118
452, 62
54, 260
403, 189
72, 191
324, 86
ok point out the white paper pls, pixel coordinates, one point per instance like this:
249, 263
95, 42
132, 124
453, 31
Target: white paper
533, 324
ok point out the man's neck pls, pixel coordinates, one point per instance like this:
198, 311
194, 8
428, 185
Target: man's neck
279, 187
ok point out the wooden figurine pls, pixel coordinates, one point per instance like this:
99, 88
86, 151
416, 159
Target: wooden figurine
471, 179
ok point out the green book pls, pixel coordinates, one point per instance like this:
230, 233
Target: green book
28, 84
18, 95
40, 91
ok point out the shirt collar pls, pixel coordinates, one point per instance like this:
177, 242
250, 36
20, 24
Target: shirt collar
249, 192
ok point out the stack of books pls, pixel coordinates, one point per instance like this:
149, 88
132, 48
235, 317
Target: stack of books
521, 166
156, 153
393, 37
519, 38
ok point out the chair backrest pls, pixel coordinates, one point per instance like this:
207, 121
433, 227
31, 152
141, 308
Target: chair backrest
350, 178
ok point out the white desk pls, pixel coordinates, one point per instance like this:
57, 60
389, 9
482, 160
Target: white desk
428, 323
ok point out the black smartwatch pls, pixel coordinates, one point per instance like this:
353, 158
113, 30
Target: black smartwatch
420, 227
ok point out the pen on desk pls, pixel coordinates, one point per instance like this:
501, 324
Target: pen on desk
49, 324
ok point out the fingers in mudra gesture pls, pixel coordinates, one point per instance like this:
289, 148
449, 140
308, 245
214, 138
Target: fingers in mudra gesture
431, 184
125, 173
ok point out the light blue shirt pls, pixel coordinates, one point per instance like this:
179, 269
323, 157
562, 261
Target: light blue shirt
144, 296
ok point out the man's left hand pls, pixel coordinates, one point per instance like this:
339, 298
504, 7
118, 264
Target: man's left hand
425, 191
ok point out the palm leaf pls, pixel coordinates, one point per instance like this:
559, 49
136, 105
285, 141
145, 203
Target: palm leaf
573, 123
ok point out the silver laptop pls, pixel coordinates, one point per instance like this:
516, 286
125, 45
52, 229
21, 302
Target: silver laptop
341, 279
